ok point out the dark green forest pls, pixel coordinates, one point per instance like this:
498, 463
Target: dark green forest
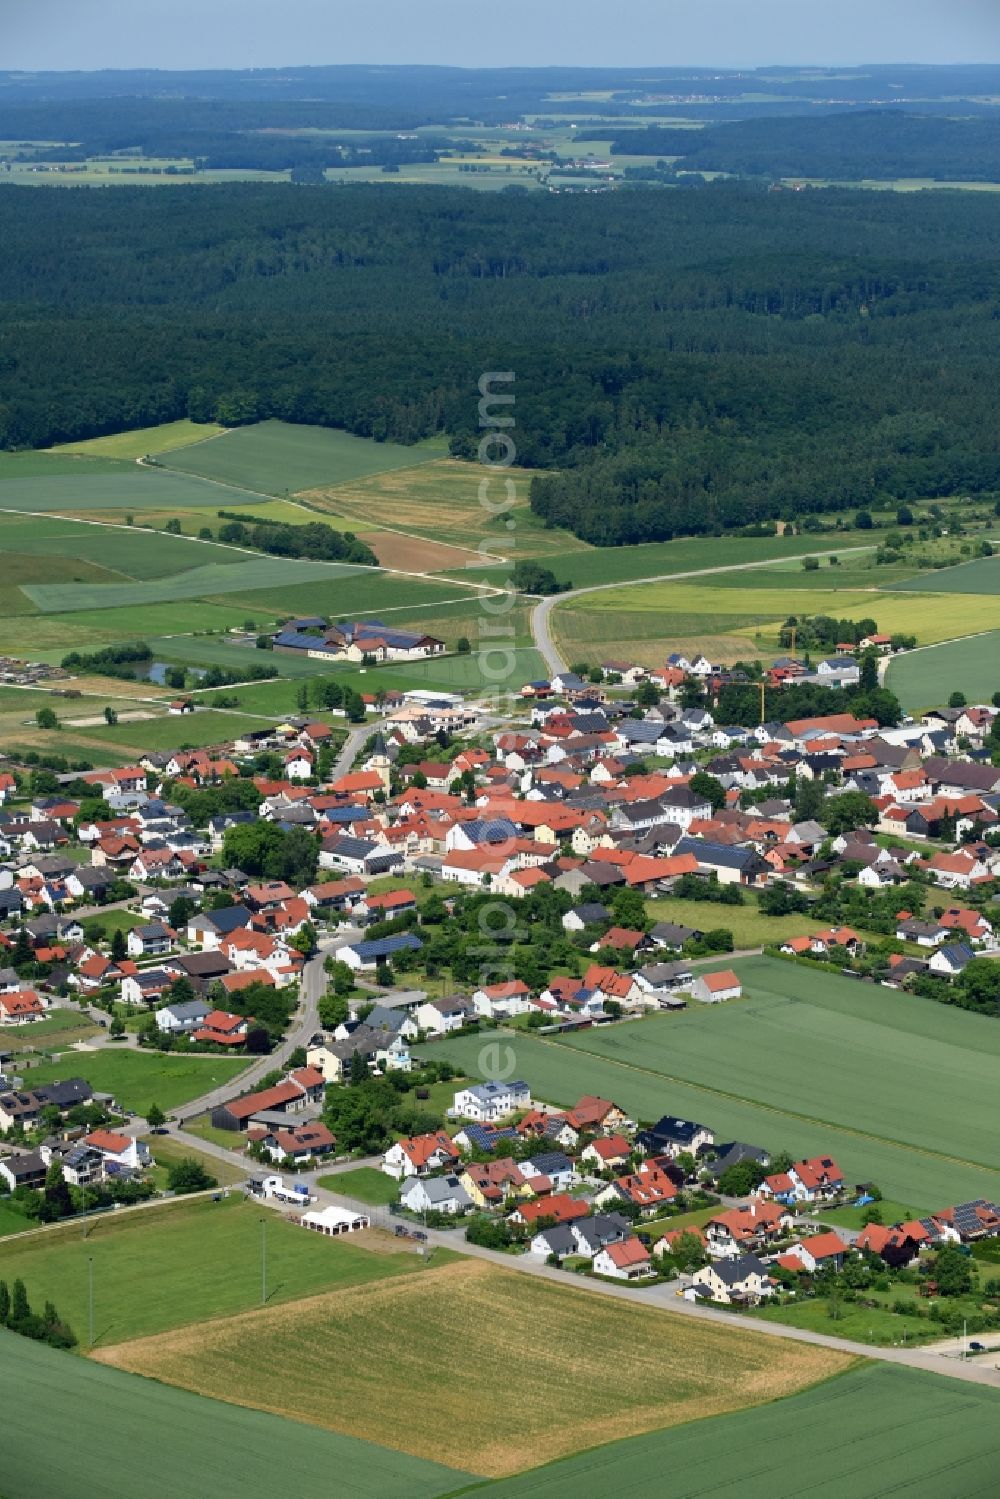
688, 360
879, 144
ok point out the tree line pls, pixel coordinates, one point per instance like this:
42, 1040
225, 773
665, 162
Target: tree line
686, 363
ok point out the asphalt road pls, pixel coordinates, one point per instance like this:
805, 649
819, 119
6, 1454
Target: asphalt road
304, 1023
542, 635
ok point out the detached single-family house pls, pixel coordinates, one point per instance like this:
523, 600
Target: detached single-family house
627, 1259
744, 1280
420, 1155
435, 1194
122, 1151
490, 1101
712, 988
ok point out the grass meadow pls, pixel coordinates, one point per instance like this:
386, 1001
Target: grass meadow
365, 1184
166, 1266
874, 1431
138, 1078
408, 1359
897, 1088
281, 458
150, 1440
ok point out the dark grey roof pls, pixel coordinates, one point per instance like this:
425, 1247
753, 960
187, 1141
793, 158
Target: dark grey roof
590, 913
733, 1272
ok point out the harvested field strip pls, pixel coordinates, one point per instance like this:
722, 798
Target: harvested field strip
365, 1360
902, 1433
167, 1442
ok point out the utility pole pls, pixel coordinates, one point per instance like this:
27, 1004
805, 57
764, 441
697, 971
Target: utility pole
965, 1346
90, 1301
263, 1262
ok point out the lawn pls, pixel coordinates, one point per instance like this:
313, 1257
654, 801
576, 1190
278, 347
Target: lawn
852, 1217
927, 678
411, 1361
172, 732
879, 1326
182, 1262
167, 1151
12, 1222
365, 1183
899, 1089
138, 1078
749, 927
166, 1441
60, 1027
875, 1431
278, 457
146, 440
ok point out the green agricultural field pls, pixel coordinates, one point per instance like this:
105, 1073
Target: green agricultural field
897, 1088
126, 486
197, 582
365, 1183
145, 441
132, 551
894, 1431
927, 678
183, 1262
169, 1442
940, 616
33, 465
279, 457
596, 566
138, 1078
981, 576
367, 593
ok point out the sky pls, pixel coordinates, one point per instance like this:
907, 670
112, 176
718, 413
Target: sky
86, 34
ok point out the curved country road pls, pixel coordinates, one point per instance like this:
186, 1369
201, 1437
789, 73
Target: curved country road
542, 636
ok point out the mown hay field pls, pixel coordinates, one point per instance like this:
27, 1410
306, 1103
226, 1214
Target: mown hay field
416, 1363
898, 1089
150, 1441
441, 500
280, 457
142, 441
926, 679
874, 1431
